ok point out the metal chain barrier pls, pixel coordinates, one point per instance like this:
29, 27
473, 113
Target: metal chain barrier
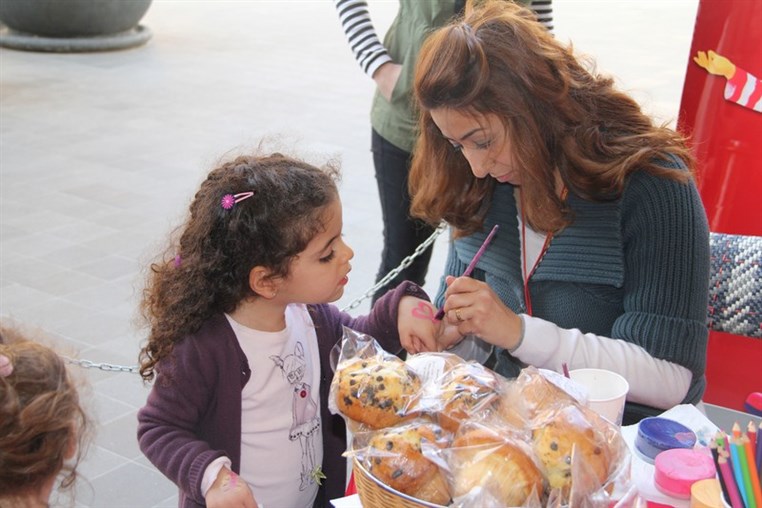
87, 364
392, 274
133, 369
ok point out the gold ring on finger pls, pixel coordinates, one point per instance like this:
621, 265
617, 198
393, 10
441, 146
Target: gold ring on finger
457, 315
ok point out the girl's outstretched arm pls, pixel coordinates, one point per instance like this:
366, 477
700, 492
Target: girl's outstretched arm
382, 323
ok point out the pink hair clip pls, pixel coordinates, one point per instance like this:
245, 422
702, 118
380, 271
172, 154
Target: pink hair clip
228, 200
6, 367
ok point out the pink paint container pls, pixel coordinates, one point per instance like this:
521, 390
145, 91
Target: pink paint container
678, 469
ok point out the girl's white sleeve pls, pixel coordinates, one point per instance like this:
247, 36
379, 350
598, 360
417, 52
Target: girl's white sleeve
653, 382
211, 472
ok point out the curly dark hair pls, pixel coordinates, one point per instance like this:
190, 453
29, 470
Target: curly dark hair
41, 418
562, 120
206, 270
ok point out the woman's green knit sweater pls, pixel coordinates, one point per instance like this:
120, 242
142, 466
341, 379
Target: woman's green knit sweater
635, 269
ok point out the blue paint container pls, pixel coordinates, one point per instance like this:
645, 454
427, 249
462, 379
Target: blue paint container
657, 434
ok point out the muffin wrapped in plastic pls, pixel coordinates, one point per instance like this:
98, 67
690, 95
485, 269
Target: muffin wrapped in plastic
534, 391
493, 465
457, 390
529, 441
371, 387
582, 455
400, 457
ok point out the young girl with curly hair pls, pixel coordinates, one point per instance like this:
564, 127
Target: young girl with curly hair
241, 333
43, 427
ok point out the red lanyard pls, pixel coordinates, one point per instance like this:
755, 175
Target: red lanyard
545, 245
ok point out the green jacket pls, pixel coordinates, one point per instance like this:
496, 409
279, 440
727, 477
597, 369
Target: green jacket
396, 121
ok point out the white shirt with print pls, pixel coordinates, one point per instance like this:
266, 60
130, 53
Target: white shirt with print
281, 441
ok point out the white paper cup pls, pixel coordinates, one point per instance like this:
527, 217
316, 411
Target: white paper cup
606, 391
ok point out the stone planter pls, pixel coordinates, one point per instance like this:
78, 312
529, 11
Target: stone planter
73, 25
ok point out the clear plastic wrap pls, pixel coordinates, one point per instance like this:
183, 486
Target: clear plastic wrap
534, 390
529, 441
583, 456
493, 464
371, 388
455, 390
399, 457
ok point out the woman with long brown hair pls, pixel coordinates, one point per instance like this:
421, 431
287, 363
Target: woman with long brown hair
602, 256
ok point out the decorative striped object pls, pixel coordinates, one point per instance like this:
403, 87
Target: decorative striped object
735, 287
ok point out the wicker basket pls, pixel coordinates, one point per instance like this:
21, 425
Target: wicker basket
375, 494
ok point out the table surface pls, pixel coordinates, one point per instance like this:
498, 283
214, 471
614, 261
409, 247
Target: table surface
724, 417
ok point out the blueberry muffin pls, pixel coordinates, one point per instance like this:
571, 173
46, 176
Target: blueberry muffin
396, 458
377, 392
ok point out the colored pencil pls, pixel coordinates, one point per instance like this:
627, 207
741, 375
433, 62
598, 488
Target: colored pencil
735, 459
753, 473
713, 448
470, 268
724, 437
727, 476
742, 460
759, 450
751, 432
716, 456
736, 430
719, 438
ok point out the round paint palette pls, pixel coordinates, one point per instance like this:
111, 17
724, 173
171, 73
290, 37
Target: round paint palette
657, 434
